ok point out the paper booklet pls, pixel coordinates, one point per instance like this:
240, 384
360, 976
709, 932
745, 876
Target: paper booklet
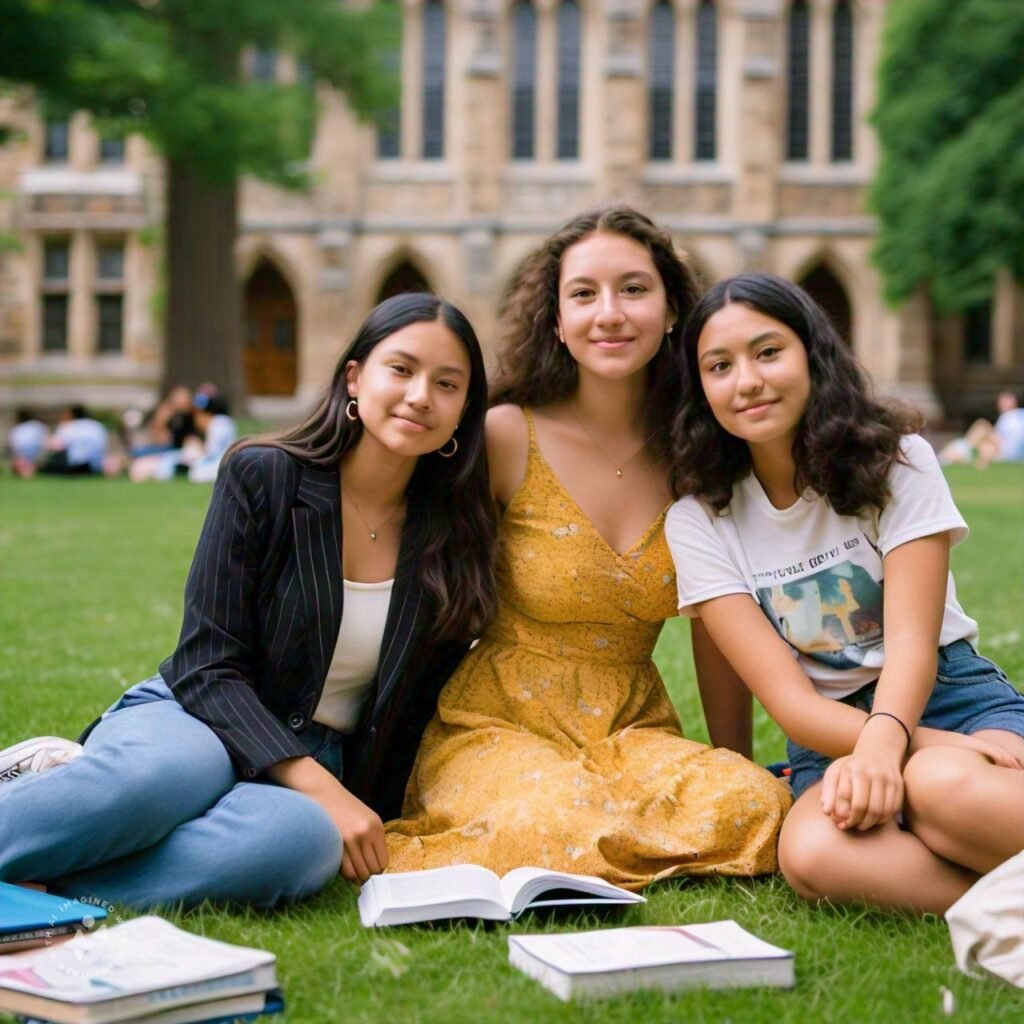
467, 890
592, 965
128, 971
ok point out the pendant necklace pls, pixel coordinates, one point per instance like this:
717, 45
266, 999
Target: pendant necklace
618, 466
373, 530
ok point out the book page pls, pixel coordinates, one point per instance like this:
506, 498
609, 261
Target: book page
616, 949
525, 886
733, 940
436, 885
141, 955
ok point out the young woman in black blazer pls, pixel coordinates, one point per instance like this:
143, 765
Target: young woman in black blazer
266, 753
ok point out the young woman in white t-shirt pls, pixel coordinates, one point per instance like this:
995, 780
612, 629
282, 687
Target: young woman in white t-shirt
802, 493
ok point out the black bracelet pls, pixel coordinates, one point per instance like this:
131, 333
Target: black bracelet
895, 718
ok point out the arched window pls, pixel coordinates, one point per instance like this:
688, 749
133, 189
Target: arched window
827, 290
406, 277
707, 74
661, 58
842, 81
798, 81
434, 40
524, 78
568, 147
389, 127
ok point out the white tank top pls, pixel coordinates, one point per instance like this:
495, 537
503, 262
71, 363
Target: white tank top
356, 655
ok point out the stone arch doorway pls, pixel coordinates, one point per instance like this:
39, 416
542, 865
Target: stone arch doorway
406, 277
827, 290
271, 333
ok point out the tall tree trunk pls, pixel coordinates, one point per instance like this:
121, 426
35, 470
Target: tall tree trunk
204, 309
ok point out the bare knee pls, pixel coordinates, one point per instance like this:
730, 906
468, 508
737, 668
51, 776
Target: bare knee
937, 780
811, 854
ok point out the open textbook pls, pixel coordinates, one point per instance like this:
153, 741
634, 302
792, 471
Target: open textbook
592, 965
130, 971
467, 890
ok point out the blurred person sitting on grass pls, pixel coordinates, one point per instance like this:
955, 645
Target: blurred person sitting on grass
26, 442
342, 571
170, 424
200, 456
77, 447
984, 443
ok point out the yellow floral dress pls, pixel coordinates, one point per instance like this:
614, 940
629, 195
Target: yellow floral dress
555, 744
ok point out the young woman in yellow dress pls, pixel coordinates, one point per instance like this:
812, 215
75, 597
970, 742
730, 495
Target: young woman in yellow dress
555, 743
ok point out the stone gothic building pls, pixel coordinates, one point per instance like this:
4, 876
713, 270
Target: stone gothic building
741, 125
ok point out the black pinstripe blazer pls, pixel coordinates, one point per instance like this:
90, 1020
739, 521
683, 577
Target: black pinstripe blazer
263, 605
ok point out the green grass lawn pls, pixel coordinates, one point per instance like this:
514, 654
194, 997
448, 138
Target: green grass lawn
91, 575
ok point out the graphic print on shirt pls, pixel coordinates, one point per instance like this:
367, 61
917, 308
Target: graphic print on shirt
833, 615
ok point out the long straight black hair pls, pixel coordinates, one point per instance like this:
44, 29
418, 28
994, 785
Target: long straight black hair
451, 518
848, 438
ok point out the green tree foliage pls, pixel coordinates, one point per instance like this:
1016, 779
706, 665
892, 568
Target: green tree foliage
172, 69
949, 191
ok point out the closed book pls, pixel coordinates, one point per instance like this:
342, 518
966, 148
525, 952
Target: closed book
468, 890
128, 971
31, 918
233, 1010
598, 964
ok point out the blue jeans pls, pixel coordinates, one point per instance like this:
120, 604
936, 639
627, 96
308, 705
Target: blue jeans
971, 693
152, 814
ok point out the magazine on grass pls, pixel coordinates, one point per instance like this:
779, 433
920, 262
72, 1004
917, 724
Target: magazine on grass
468, 890
592, 965
30, 918
128, 971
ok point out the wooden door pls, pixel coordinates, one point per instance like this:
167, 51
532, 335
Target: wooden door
271, 334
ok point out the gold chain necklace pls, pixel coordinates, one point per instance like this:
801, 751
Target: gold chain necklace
619, 467
373, 530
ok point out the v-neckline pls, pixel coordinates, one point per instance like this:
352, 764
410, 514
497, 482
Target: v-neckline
636, 545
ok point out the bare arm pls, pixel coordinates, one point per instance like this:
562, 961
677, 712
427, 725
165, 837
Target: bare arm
728, 708
508, 443
761, 658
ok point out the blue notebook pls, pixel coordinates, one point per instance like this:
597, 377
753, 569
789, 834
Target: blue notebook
27, 916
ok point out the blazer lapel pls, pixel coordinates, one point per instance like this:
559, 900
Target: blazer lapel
404, 614
316, 522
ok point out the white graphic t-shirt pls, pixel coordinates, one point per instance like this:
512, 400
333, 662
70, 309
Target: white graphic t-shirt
818, 575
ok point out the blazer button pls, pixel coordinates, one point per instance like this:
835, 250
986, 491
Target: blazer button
295, 720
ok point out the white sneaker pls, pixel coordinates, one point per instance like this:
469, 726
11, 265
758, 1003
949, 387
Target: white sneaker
36, 755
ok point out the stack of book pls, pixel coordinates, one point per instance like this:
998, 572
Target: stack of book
142, 970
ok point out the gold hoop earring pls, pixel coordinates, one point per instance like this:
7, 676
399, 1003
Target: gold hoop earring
352, 409
455, 448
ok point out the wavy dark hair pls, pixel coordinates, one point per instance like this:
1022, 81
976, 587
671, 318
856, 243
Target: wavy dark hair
535, 370
848, 438
451, 518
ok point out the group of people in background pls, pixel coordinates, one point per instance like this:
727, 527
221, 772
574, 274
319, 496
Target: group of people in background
186, 434
644, 449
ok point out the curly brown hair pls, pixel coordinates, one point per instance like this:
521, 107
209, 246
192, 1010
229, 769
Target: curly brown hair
847, 440
534, 370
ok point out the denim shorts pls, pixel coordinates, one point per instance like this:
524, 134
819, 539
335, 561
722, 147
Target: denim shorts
970, 694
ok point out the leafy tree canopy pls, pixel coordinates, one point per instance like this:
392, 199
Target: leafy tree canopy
171, 69
950, 118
